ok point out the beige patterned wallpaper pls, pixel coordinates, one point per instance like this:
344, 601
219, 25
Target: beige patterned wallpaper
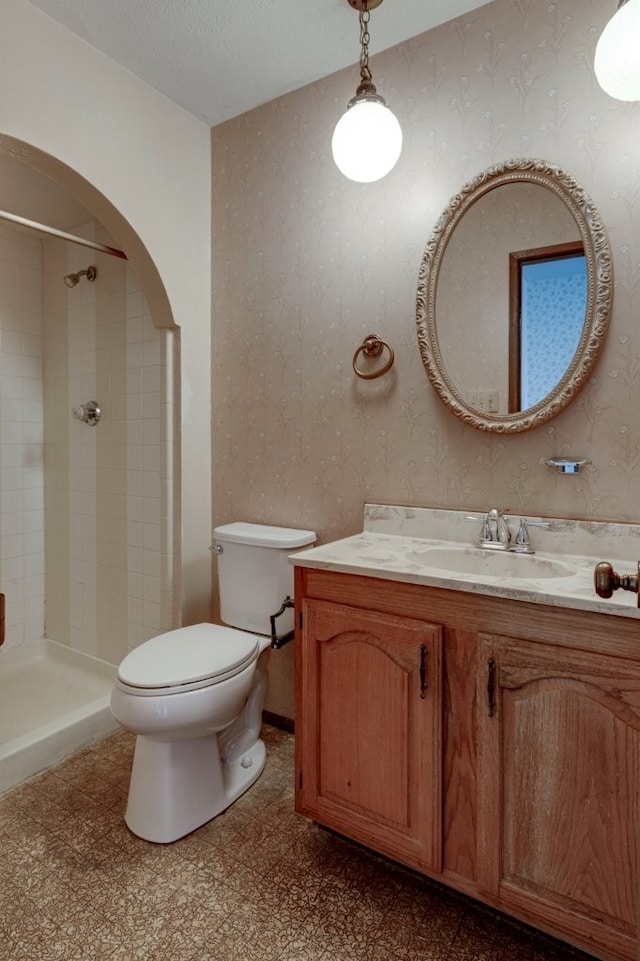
308, 263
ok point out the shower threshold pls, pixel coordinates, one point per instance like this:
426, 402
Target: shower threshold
53, 701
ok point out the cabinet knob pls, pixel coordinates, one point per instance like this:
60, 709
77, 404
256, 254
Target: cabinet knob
606, 581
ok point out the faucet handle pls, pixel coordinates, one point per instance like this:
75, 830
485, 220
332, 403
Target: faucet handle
523, 544
485, 532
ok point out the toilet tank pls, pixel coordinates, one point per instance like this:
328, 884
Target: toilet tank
255, 575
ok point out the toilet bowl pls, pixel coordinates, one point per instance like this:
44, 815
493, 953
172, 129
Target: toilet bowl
177, 692
194, 696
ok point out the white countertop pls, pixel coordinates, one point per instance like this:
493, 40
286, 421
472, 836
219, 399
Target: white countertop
394, 540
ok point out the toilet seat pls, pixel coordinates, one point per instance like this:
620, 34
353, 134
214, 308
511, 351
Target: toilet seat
187, 659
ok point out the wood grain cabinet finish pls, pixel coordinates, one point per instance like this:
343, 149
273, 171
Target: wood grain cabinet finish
559, 736
371, 690
508, 769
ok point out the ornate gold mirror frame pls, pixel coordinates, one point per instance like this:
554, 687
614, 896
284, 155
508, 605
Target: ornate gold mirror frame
599, 293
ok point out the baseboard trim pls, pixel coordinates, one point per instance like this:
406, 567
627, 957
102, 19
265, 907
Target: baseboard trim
279, 721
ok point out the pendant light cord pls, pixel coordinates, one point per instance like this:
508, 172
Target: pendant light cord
364, 18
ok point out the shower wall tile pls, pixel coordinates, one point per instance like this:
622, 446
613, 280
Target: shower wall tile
9, 272
11, 245
99, 336
21, 419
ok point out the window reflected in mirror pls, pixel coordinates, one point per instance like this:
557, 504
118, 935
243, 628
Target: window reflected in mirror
548, 301
473, 300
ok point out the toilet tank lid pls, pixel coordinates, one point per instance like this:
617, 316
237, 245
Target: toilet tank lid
263, 535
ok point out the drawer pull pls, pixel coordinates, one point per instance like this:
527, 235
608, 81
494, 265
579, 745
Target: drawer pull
491, 687
423, 671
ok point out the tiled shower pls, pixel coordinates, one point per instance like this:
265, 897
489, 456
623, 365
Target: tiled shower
85, 511
21, 435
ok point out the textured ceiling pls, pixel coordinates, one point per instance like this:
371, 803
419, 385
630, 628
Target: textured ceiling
219, 58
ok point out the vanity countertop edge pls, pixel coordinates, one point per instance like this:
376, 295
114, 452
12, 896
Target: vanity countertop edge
394, 536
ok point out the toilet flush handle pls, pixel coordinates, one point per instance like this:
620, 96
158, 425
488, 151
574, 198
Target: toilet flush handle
278, 641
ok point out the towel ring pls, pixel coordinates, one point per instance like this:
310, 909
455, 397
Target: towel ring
372, 346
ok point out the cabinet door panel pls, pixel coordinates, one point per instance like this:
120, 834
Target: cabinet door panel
559, 764
359, 764
371, 729
459, 789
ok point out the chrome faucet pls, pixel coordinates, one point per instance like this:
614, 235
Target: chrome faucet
495, 531
496, 534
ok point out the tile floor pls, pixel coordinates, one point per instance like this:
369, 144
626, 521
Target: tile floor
259, 883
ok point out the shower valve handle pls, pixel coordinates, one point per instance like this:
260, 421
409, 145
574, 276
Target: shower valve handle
88, 413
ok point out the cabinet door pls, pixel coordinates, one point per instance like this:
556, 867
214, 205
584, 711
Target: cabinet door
368, 729
559, 758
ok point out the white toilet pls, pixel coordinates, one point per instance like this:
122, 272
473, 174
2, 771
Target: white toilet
194, 696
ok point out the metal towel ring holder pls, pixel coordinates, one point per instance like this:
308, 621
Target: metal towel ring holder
372, 346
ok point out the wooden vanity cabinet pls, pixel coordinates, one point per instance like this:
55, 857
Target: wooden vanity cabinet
508, 771
371, 739
559, 744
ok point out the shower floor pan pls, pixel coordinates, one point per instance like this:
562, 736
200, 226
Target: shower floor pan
53, 701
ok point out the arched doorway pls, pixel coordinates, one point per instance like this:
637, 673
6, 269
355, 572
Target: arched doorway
100, 501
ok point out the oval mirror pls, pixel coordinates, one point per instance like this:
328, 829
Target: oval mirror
514, 296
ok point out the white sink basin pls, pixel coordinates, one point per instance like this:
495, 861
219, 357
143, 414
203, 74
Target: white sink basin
490, 563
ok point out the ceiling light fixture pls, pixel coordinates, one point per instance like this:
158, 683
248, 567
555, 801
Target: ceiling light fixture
367, 140
616, 63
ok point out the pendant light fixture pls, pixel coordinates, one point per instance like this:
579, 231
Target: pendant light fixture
617, 64
367, 140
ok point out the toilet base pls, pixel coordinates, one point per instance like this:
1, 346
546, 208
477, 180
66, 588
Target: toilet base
177, 786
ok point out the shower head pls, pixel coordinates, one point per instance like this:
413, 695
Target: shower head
72, 279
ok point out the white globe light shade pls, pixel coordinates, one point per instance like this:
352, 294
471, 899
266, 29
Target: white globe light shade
367, 141
616, 63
